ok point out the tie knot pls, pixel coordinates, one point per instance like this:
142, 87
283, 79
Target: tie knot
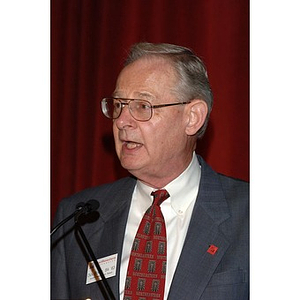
159, 197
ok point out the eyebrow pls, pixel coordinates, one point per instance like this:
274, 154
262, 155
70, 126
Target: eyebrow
146, 96
140, 95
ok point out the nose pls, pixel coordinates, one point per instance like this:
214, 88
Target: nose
125, 119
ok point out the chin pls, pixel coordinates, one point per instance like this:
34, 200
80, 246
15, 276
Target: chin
135, 168
130, 165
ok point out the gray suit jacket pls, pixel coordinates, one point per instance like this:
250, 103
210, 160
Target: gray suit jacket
220, 218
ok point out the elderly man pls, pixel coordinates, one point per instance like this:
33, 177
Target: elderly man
175, 229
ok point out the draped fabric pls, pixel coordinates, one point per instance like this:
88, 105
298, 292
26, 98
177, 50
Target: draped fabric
89, 41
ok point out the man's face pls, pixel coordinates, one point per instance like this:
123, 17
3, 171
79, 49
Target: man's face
158, 150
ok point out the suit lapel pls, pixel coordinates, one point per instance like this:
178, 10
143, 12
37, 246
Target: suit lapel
108, 238
197, 264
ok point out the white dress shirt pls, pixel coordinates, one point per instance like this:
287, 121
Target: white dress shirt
177, 211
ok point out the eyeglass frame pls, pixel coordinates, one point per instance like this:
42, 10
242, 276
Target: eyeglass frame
143, 100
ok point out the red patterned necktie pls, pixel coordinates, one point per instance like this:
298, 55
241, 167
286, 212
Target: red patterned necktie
148, 259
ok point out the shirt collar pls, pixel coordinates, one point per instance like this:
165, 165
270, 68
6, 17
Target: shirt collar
183, 190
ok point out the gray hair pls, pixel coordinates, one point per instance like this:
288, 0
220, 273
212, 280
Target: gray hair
193, 78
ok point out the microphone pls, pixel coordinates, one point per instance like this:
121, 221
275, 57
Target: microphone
81, 209
88, 207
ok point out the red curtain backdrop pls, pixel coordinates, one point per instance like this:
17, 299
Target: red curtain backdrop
89, 41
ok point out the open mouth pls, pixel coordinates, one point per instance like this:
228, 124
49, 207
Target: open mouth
132, 145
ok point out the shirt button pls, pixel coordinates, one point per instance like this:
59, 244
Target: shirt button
180, 212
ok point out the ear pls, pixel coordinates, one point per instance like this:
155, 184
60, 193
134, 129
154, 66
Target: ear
196, 111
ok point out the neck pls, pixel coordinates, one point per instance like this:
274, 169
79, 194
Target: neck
159, 182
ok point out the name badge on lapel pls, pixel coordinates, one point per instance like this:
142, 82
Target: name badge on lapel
108, 266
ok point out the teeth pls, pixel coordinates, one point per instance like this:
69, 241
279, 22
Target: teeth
131, 145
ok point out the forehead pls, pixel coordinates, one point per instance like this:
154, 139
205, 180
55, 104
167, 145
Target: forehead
154, 75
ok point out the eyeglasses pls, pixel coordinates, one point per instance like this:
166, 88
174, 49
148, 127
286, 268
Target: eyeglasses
140, 110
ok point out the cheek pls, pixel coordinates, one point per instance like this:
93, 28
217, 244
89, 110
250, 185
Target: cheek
116, 139
162, 141
170, 139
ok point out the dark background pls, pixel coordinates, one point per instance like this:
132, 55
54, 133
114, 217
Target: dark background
89, 42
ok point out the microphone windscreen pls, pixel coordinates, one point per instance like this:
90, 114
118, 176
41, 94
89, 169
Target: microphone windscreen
93, 205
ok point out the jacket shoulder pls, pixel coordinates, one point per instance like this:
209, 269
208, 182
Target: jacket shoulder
101, 191
234, 187
105, 194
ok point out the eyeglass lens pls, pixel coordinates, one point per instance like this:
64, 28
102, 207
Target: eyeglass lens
141, 110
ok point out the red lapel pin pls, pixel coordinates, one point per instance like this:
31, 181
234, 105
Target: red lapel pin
212, 249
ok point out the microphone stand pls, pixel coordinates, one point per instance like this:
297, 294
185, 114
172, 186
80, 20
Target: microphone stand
74, 214
105, 288
83, 208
